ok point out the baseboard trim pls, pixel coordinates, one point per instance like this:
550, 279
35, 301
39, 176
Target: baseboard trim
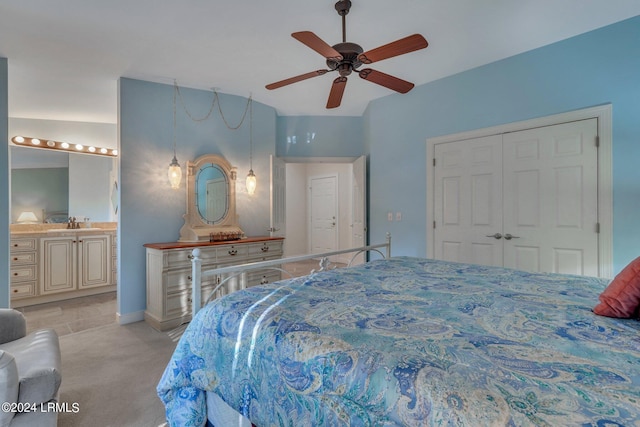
124, 319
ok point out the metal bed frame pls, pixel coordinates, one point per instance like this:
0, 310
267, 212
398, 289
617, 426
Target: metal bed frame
241, 270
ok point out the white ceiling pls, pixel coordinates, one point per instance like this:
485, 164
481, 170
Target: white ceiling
65, 56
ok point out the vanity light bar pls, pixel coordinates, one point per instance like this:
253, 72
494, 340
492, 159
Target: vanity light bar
24, 141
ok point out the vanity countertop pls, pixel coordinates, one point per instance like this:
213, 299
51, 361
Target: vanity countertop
55, 229
182, 245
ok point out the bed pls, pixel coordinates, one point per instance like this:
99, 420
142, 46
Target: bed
408, 342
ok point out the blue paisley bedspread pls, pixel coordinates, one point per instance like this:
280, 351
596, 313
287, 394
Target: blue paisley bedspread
410, 342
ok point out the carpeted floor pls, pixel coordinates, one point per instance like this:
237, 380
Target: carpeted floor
111, 372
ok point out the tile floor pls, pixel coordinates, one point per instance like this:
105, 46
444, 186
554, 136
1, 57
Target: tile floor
72, 315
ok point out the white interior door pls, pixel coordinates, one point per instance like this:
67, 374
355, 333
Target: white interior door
551, 198
468, 194
359, 206
525, 199
278, 198
323, 213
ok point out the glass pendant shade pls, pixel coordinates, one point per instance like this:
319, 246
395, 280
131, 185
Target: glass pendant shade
175, 173
251, 182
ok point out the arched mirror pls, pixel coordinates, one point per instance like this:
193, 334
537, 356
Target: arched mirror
211, 201
212, 193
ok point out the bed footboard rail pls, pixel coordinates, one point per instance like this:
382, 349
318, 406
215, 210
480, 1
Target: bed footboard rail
197, 274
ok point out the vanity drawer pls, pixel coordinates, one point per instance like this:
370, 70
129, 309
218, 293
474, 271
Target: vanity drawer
23, 274
26, 244
23, 258
23, 290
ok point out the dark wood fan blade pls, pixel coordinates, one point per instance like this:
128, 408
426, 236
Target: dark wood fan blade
317, 44
386, 80
295, 79
337, 89
398, 47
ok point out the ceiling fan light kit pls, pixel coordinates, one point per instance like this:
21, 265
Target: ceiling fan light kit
346, 57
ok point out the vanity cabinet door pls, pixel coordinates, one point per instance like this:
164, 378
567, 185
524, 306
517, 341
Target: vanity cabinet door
57, 264
75, 262
94, 261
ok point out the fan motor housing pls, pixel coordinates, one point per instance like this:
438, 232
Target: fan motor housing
349, 62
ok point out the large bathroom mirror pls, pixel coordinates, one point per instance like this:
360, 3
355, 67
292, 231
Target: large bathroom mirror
54, 185
211, 201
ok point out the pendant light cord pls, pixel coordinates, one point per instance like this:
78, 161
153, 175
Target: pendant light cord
250, 132
215, 100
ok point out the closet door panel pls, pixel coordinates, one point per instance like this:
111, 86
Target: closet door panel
468, 197
550, 198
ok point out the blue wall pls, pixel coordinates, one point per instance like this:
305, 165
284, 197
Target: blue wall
320, 136
150, 211
599, 67
4, 186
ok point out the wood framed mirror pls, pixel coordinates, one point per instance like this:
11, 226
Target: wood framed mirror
211, 201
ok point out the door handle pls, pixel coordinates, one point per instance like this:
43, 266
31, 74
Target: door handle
496, 236
509, 237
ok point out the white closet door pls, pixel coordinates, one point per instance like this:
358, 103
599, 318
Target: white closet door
468, 194
550, 198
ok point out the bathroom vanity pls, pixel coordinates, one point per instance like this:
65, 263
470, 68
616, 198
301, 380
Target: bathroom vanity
49, 263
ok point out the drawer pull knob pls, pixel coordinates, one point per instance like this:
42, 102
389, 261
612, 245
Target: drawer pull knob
15, 259
15, 274
264, 280
233, 252
15, 291
265, 248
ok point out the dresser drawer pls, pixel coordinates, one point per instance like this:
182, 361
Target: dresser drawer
26, 244
260, 277
181, 258
181, 279
273, 248
20, 258
23, 274
23, 290
230, 253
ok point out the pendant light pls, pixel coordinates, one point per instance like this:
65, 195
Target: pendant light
251, 177
175, 172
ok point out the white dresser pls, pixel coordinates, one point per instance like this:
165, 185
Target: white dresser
169, 274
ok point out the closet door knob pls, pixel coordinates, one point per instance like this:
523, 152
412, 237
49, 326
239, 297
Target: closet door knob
509, 237
496, 236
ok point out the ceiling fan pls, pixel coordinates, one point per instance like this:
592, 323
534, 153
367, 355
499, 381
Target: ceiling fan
346, 57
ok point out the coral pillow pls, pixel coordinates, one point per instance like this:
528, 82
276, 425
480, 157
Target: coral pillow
622, 297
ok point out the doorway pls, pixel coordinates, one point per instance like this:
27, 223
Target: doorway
350, 192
